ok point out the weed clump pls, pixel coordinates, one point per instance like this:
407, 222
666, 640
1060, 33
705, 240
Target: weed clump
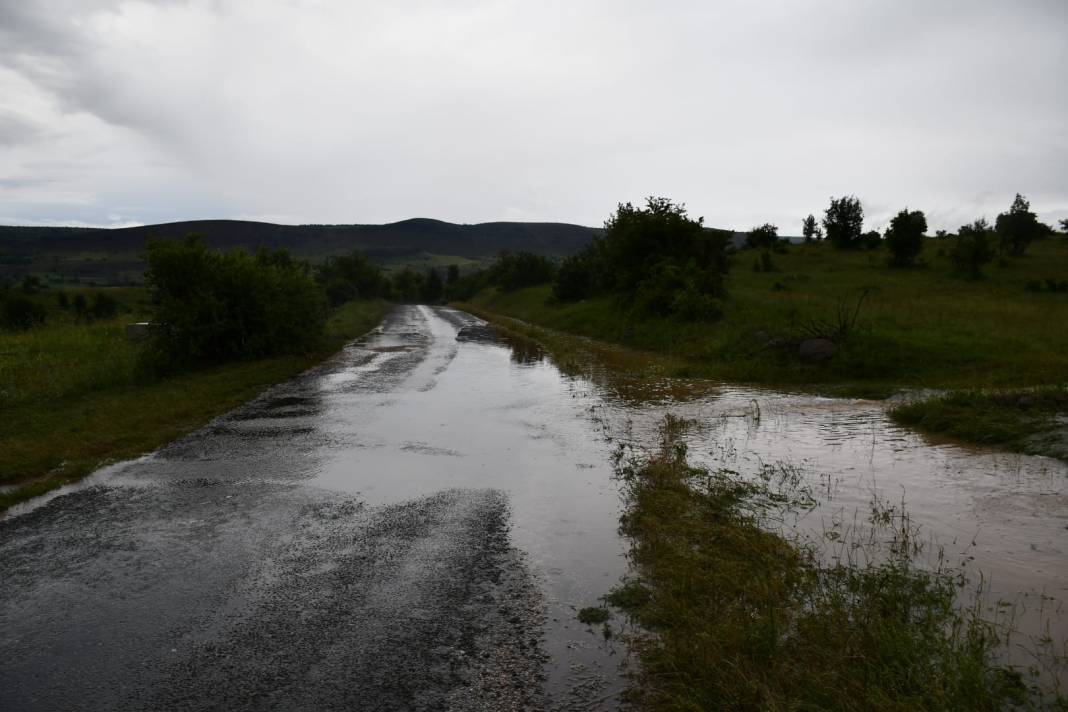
592, 615
742, 618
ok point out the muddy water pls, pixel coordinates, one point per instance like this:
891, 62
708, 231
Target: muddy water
1000, 518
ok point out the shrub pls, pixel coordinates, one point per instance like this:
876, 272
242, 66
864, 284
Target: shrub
213, 306
104, 306
352, 276
516, 270
655, 258
579, 276
905, 236
20, 313
973, 248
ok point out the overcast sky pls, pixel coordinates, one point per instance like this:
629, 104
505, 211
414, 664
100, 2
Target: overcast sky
117, 112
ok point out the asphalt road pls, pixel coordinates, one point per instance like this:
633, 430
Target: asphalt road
319, 549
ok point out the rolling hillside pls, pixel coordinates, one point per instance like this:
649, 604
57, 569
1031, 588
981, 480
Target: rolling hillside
114, 256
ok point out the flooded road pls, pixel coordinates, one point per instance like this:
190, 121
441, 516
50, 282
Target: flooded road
411, 526
414, 524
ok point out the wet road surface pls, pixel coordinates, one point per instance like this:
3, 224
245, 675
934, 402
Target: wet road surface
410, 526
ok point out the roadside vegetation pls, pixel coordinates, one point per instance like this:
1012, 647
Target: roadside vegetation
76, 392
845, 315
735, 616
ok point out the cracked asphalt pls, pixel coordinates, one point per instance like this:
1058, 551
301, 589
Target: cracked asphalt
408, 527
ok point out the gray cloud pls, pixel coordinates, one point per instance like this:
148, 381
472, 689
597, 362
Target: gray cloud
309, 110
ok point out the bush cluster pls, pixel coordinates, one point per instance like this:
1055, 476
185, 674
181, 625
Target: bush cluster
215, 306
655, 259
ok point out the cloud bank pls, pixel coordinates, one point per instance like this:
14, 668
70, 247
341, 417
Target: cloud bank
315, 111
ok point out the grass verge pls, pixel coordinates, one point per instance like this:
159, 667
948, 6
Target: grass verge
740, 618
1032, 421
100, 408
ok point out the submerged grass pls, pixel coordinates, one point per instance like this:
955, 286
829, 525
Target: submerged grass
918, 328
1028, 421
738, 617
73, 398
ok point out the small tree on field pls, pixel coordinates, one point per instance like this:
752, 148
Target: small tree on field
905, 236
810, 230
1064, 226
763, 237
1017, 228
452, 273
972, 249
843, 222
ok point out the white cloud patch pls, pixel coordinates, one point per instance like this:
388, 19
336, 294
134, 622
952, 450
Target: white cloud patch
322, 111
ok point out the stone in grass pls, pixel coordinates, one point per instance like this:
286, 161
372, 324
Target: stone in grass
593, 615
816, 349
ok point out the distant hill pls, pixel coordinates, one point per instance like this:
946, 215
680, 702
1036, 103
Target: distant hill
115, 255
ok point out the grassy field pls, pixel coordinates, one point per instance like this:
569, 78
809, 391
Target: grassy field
73, 396
917, 328
745, 619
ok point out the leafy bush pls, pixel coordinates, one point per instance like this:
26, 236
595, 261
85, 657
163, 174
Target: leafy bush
905, 236
213, 306
352, 276
973, 248
579, 276
516, 270
20, 313
656, 259
104, 306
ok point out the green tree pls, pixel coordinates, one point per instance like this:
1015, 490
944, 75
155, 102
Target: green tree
452, 273
843, 222
1018, 227
905, 237
763, 237
407, 285
810, 230
973, 248
1064, 226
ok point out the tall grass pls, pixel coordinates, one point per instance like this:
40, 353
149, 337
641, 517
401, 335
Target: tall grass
740, 618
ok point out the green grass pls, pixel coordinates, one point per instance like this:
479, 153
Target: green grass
740, 618
74, 397
918, 328
1019, 421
